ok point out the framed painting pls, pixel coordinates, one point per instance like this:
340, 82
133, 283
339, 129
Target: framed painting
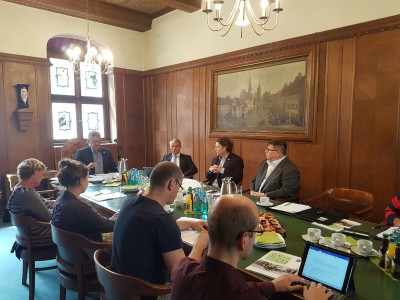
266, 99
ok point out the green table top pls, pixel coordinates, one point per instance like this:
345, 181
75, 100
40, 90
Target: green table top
370, 281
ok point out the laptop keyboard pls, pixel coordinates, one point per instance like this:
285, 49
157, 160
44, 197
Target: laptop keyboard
337, 296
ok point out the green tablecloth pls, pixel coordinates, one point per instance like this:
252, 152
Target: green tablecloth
370, 281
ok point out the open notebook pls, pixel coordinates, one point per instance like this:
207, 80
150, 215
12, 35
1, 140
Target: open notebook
331, 267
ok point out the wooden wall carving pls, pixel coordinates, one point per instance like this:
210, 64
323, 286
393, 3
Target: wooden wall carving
357, 111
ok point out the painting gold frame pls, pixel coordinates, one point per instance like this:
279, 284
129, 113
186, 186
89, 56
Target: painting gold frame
266, 98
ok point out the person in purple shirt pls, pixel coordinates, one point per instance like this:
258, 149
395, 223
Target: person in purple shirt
231, 228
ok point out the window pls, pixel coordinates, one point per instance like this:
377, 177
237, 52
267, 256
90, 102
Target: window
79, 101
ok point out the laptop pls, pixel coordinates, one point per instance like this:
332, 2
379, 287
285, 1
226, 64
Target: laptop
147, 171
330, 267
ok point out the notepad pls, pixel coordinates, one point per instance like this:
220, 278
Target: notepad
289, 207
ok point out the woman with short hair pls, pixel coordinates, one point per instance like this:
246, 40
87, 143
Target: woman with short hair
24, 200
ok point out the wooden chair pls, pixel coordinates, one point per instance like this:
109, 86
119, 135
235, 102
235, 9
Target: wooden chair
71, 147
75, 264
357, 204
117, 286
35, 249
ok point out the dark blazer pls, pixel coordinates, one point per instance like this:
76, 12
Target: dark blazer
233, 168
186, 164
85, 155
283, 183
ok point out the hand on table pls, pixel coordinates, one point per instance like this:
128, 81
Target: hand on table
257, 194
396, 222
316, 292
284, 283
114, 216
199, 225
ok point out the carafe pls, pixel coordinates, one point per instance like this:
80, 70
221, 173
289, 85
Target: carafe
122, 166
228, 186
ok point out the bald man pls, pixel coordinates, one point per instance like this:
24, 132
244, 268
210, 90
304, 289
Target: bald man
231, 228
183, 161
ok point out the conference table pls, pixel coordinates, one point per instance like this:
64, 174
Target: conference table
370, 281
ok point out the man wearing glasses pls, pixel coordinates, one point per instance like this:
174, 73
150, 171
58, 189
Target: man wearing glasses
232, 226
277, 177
147, 241
99, 160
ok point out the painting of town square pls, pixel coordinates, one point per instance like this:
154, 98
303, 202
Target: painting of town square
268, 98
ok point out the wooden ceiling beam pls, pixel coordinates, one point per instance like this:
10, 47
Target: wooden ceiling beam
185, 5
98, 11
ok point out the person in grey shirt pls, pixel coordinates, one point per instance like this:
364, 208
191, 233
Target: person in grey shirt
26, 201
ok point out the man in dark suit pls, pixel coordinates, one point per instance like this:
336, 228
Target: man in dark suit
225, 164
184, 161
277, 177
99, 160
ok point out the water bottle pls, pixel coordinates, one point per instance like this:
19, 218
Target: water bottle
197, 201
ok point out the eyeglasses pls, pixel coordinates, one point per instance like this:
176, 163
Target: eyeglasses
180, 186
258, 232
271, 150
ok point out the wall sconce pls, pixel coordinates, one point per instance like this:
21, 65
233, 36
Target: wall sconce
23, 114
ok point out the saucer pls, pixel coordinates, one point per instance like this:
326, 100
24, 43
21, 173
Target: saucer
264, 205
373, 252
306, 238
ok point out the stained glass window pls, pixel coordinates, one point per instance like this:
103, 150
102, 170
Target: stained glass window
91, 85
79, 101
92, 118
64, 121
62, 77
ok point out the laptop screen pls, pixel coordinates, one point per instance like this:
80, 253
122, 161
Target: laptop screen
328, 266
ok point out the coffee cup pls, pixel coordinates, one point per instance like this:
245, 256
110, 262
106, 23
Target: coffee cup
108, 178
314, 234
167, 207
364, 247
118, 177
264, 200
326, 242
338, 239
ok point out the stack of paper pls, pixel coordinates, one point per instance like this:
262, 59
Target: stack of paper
269, 240
339, 226
275, 264
102, 195
290, 207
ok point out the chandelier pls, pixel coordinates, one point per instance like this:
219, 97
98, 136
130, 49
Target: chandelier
244, 15
102, 62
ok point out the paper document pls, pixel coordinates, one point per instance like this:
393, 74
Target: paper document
275, 264
188, 236
290, 207
102, 195
339, 226
388, 231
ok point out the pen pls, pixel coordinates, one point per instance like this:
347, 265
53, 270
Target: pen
378, 226
287, 203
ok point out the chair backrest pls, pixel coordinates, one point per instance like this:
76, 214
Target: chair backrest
72, 146
24, 226
74, 251
117, 286
356, 203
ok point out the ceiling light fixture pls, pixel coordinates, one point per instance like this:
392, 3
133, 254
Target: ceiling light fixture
92, 60
244, 15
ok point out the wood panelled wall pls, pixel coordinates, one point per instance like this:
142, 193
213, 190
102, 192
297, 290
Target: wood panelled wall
357, 121
37, 140
357, 111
